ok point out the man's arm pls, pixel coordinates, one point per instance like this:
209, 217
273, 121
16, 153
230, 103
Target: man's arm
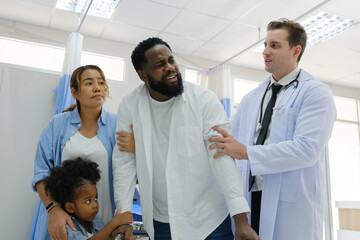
224, 168
124, 168
227, 145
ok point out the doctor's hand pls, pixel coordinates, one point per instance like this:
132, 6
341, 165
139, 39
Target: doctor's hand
126, 141
243, 231
227, 145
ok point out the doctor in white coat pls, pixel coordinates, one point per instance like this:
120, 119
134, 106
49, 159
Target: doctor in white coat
185, 193
289, 165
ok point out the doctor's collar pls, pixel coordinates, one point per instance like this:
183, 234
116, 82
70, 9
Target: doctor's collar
286, 79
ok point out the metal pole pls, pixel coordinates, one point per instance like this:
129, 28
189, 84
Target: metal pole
83, 17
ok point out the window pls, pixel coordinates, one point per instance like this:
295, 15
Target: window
241, 88
191, 76
31, 54
344, 156
113, 67
48, 57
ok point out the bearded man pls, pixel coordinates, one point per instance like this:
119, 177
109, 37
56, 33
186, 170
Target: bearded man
185, 192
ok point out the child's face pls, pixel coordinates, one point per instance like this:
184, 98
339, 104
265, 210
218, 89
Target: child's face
86, 206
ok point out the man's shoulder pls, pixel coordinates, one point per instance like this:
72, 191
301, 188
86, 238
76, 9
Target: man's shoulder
134, 94
193, 90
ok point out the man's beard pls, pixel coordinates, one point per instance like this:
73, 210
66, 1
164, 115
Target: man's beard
164, 89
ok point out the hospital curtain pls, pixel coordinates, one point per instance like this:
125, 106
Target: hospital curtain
71, 62
63, 100
203, 78
219, 81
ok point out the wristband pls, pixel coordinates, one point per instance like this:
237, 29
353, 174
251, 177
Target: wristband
51, 205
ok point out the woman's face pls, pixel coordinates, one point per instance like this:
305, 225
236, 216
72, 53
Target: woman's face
92, 90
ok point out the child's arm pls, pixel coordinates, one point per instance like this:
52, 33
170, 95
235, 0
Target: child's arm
117, 220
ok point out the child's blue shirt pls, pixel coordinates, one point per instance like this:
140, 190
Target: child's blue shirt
81, 233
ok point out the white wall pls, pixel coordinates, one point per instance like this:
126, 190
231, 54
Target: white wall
26, 105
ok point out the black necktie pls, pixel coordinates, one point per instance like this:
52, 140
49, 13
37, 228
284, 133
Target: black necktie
265, 123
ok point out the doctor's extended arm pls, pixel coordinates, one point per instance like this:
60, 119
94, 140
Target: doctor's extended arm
310, 126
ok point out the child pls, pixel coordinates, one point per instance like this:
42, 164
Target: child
73, 186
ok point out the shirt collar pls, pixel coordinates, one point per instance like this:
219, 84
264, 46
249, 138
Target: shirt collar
75, 116
94, 227
287, 79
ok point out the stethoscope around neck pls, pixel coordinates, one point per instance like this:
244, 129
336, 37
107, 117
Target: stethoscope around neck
294, 83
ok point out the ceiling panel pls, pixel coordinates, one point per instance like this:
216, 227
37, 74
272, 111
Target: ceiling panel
352, 81
261, 15
309, 67
196, 25
345, 8
93, 26
44, 3
331, 56
214, 51
180, 44
237, 35
173, 3
145, 14
329, 75
249, 59
308, 3
228, 9
126, 33
64, 20
348, 39
25, 12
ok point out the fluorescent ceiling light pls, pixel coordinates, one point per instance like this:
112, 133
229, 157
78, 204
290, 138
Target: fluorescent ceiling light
321, 27
98, 8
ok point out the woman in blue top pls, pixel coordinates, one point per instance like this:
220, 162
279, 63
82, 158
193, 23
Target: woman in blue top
87, 132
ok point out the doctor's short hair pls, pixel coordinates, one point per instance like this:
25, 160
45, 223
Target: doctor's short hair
69, 176
138, 55
296, 33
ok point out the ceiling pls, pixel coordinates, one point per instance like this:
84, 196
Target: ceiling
212, 29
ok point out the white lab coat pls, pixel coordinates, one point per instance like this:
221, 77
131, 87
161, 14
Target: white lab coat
200, 188
293, 196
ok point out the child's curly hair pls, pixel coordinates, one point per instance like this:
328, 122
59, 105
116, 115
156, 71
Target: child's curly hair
65, 179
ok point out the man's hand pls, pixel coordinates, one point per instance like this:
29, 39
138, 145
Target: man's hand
126, 232
227, 145
126, 141
58, 218
243, 231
